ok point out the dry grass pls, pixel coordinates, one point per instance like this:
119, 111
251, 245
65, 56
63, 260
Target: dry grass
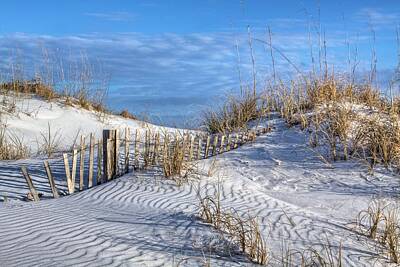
374, 138
331, 126
335, 113
49, 142
391, 234
242, 230
30, 87
369, 220
337, 89
12, 147
234, 114
126, 114
329, 256
175, 162
378, 138
381, 222
84, 97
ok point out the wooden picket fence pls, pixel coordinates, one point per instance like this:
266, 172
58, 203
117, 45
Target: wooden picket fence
96, 162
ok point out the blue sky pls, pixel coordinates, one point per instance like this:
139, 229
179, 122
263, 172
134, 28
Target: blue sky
173, 58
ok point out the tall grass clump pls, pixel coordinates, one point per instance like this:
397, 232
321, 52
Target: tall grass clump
381, 222
175, 162
234, 114
50, 141
12, 147
242, 230
74, 81
35, 86
378, 140
328, 256
331, 126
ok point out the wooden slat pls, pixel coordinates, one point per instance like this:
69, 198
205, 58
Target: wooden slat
199, 148
91, 161
236, 144
28, 179
221, 146
207, 147
191, 147
51, 179
117, 142
108, 154
82, 163
215, 143
185, 143
156, 148
229, 143
165, 147
99, 177
68, 173
74, 165
146, 148
127, 136
136, 161
110, 159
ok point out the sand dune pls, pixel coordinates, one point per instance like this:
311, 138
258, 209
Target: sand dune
142, 219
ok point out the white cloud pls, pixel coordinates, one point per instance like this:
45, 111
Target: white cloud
378, 17
112, 16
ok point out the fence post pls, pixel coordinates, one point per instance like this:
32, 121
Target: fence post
28, 179
237, 139
185, 143
191, 147
99, 161
51, 179
74, 165
127, 135
228, 145
91, 159
221, 147
207, 147
214, 151
199, 148
136, 161
108, 154
156, 148
82, 163
146, 149
116, 144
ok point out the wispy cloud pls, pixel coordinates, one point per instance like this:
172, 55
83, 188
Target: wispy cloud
181, 71
378, 17
112, 16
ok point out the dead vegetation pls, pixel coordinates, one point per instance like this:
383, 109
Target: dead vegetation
328, 256
235, 113
381, 222
12, 147
84, 98
350, 120
50, 141
126, 114
241, 229
176, 163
